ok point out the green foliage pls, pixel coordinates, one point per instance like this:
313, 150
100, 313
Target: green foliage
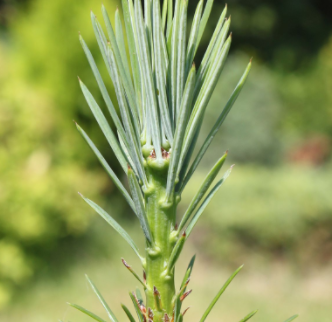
40, 167
88, 313
251, 130
301, 94
283, 214
249, 316
222, 290
202, 190
286, 35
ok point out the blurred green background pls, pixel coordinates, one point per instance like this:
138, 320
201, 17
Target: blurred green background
274, 214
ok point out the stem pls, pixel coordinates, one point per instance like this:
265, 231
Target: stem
160, 290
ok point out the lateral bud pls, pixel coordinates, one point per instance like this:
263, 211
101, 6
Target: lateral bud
176, 252
140, 304
185, 311
150, 314
125, 264
183, 297
144, 277
133, 272
184, 286
164, 153
153, 154
173, 237
157, 299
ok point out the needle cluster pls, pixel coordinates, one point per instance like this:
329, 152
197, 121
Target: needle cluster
162, 97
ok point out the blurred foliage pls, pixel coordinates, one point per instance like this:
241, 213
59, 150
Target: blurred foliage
286, 34
283, 214
250, 130
308, 96
43, 160
291, 38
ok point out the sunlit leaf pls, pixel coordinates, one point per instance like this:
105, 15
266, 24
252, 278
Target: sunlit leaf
202, 190
164, 15
137, 309
178, 303
188, 271
106, 129
249, 316
216, 298
173, 56
88, 313
129, 20
120, 40
181, 57
129, 315
151, 93
292, 318
203, 99
108, 169
160, 69
169, 16
139, 204
180, 131
217, 125
102, 301
206, 66
113, 223
133, 140
204, 20
176, 252
103, 89
217, 37
125, 75
206, 202
192, 42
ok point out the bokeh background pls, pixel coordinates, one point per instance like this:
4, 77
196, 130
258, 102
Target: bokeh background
274, 214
